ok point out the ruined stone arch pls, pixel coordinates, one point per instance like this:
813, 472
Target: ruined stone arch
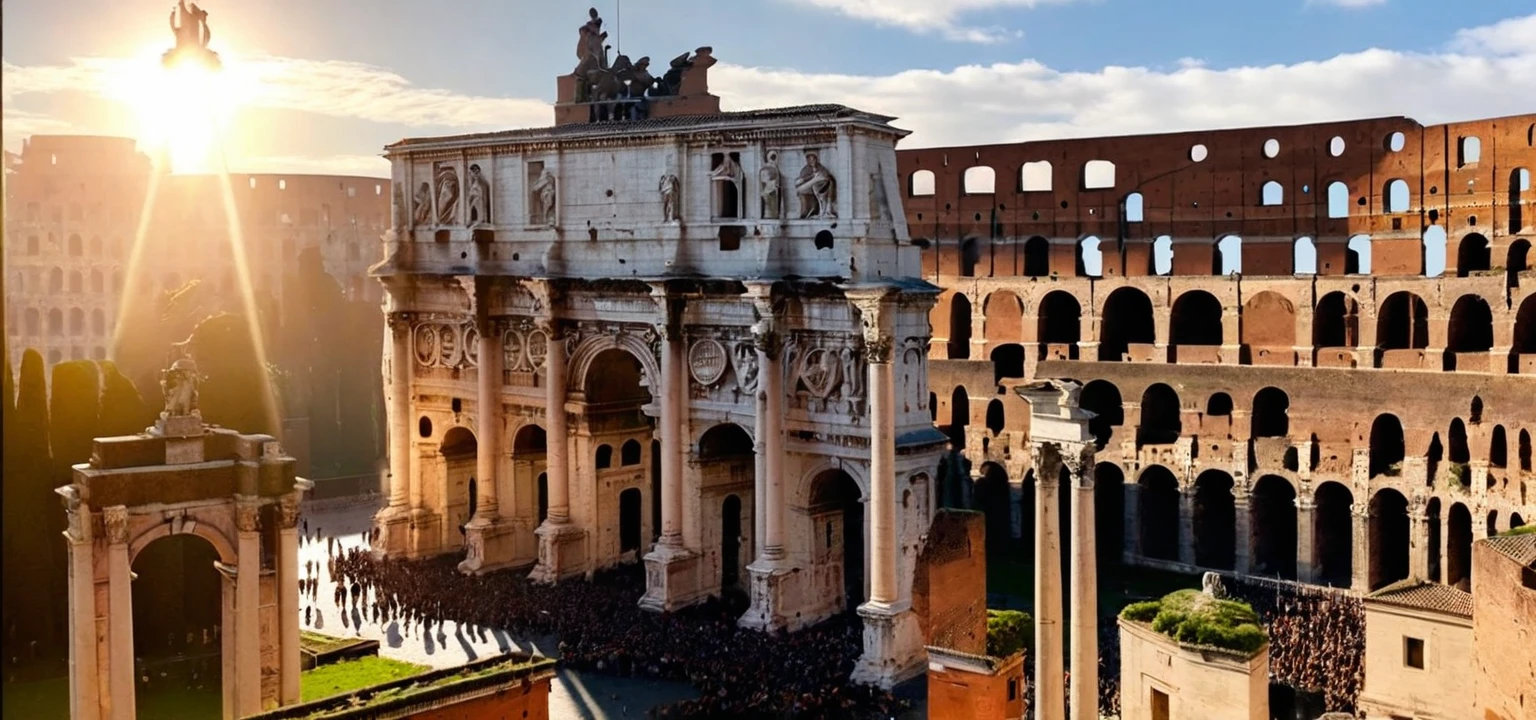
1470, 328
1333, 534
723, 440
1517, 260
1004, 313
1269, 321
207, 525
604, 456
804, 489
1473, 254
1402, 322
589, 348
1336, 321
1272, 524
1196, 319
1125, 319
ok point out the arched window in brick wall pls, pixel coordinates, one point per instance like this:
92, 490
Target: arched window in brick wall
1132, 208
1338, 200
1036, 177
1519, 189
1304, 257
1196, 320
1214, 520
1098, 175
1160, 416
1435, 245
1498, 448
1388, 541
1470, 329
56, 280
1090, 257
959, 416
604, 457
1459, 452
970, 257
1336, 322
1059, 324
1397, 196
1228, 257
1272, 513
629, 453
1517, 261
1271, 413
921, 184
1386, 443
996, 419
1158, 513
1102, 398
1402, 323
1162, 255
1272, 194
1525, 328
76, 322
76, 281
1458, 546
1333, 535
979, 180
1357, 255
1269, 321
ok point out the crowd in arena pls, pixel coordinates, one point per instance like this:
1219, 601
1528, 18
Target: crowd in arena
1316, 638
601, 627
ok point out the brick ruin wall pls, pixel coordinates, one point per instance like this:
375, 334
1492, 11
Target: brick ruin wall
1345, 360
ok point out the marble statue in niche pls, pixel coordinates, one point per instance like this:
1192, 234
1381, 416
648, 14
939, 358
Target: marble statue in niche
447, 194
544, 196
769, 183
726, 179
670, 188
422, 204
817, 189
477, 198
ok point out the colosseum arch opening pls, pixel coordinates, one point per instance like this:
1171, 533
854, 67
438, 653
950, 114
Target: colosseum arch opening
993, 499
1196, 320
1386, 443
1108, 513
1158, 513
1336, 322
1102, 398
1271, 413
959, 416
1126, 322
837, 512
1473, 254
458, 451
1402, 323
1272, 507
1389, 541
1037, 257
1458, 547
959, 327
1215, 521
1470, 333
1269, 326
1160, 416
1432, 523
1059, 326
1333, 535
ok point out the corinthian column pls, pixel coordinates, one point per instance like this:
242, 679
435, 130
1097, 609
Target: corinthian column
1085, 588
557, 469
247, 607
84, 686
289, 661
1050, 700
120, 681
770, 396
400, 360
882, 469
488, 410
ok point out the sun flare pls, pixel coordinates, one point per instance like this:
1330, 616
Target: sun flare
183, 108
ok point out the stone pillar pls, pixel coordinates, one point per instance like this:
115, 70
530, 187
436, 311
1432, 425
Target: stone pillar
1187, 525
559, 539
1360, 559
288, 604
247, 607
490, 540
120, 673
1242, 533
1418, 537
84, 666
393, 522
1050, 698
671, 578
893, 647
1084, 664
1306, 561
769, 570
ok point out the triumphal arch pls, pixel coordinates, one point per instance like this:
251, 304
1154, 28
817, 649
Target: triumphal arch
657, 332
236, 493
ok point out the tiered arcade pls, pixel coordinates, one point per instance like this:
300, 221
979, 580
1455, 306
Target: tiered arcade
1311, 349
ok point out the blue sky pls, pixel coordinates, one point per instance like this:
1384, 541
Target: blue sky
340, 78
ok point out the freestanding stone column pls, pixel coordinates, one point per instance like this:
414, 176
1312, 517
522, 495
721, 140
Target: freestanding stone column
288, 600
882, 476
768, 570
1306, 560
120, 680
559, 538
488, 421
84, 686
1050, 695
400, 361
1059, 432
1085, 588
671, 568
248, 608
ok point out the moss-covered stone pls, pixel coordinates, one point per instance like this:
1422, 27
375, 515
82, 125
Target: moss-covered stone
1194, 618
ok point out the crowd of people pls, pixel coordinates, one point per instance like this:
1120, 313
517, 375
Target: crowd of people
600, 627
1316, 638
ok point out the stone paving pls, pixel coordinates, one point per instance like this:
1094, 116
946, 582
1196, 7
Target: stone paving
573, 694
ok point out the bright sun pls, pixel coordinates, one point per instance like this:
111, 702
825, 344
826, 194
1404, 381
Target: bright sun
183, 110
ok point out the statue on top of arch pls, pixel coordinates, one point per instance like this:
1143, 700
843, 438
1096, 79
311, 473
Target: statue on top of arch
178, 383
189, 24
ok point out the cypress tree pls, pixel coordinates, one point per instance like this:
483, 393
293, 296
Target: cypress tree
75, 413
31, 474
11, 504
123, 410
235, 391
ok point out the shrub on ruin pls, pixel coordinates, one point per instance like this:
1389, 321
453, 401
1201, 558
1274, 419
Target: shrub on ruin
1008, 632
1192, 617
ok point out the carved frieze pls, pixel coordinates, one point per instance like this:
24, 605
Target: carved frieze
828, 373
421, 204
744, 360
446, 343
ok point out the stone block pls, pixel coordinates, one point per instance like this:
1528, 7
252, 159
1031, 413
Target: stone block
179, 425
183, 450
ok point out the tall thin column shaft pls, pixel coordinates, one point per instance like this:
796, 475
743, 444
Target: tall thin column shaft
1050, 700
399, 411
1085, 588
882, 480
555, 465
84, 686
771, 378
672, 389
488, 406
120, 683
288, 607
248, 617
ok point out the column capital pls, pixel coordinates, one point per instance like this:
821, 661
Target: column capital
1046, 464
288, 515
767, 340
115, 520
1080, 460
400, 321
669, 307
1305, 503
247, 513
875, 322
78, 512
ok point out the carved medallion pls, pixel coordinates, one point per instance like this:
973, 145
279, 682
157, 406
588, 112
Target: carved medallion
538, 348
512, 356
426, 344
707, 361
819, 371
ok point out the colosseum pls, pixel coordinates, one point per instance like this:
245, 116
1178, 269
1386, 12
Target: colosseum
75, 204
1310, 349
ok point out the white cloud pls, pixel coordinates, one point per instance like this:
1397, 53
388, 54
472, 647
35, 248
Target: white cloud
929, 16
1484, 72
1481, 72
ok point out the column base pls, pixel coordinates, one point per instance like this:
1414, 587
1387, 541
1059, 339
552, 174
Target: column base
561, 552
491, 547
767, 612
671, 579
425, 534
893, 645
393, 524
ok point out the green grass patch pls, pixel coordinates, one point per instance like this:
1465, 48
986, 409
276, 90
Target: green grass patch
1192, 617
317, 643
1522, 530
351, 675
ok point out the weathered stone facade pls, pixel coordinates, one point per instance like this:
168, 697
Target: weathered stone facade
1325, 412
237, 492
712, 317
74, 206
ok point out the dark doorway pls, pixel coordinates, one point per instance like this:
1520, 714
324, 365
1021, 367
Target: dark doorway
1389, 538
629, 521
1127, 320
992, 499
543, 491
1108, 513
1103, 399
836, 508
655, 489
1333, 533
1458, 528
178, 605
1037, 257
1215, 521
1432, 518
730, 542
1273, 524
1158, 497
1160, 421
959, 327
